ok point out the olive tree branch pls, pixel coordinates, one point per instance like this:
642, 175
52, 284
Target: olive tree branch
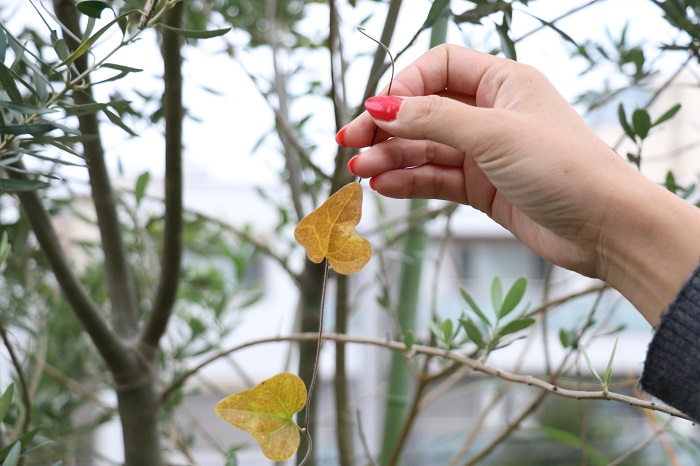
441, 353
173, 113
120, 282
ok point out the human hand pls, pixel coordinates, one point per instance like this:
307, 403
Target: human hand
495, 134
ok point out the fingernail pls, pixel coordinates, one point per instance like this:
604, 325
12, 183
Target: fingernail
384, 107
351, 164
371, 184
340, 137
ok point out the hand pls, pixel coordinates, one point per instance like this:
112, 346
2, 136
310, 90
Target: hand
495, 134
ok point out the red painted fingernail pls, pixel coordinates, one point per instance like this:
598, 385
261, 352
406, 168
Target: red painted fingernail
371, 184
340, 137
351, 164
384, 107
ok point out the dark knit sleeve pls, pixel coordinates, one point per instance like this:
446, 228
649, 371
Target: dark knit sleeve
672, 368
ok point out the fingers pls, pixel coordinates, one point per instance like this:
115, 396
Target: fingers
403, 153
424, 182
442, 120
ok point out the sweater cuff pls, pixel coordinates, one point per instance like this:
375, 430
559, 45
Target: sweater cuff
672, 368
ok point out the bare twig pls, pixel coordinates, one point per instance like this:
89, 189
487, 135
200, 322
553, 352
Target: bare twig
442, 353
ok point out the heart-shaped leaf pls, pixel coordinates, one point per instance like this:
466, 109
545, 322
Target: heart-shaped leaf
329, 231
265, 412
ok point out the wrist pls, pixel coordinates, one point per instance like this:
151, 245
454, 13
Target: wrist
650, 246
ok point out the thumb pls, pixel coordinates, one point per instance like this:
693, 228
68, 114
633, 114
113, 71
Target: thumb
435, 118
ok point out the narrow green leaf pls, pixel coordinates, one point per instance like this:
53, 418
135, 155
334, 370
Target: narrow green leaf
516, 326
194, 34
671, 182
435, 329
7, 82
3, 44
85, 46
11, 185
408, 339
141, 185
473, 332
513, 297
61, 48
668, 115
93, 9
26, 109
438, 9
5, 249
6, 399
497, 295
114, 118
123, 71
641, 122
623, 122
470, 301
13, 456
32, 128
575, 441
590, 366
608, 370
564, 338
447, 328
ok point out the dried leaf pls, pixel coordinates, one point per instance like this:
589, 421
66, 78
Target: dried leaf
265, 412
329, 231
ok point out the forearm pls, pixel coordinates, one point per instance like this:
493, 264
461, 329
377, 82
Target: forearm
650, 246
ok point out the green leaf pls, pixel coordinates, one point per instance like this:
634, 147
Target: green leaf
141, 185
7, 82
6, 399
31, 128
447, 328
516, 326
114, 118
408, 339
93, 9
11, 185
608, 370
668, 115
26, 109
193, 34
473, 332
623, 121
470, 301
671, 182
641, 122
61, 48
85, 46
590, 366
497, 295
564, 338
575, 441
123, 71
514, 296
436, 11
13, 456
5, 250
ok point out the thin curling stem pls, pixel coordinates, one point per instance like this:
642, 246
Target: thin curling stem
391, 80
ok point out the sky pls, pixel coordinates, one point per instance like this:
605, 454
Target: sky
220, 145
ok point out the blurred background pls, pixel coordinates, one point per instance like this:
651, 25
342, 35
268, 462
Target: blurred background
260, 89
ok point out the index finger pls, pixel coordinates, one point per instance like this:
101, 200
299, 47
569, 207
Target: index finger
446, 69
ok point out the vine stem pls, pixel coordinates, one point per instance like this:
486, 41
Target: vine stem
314, 375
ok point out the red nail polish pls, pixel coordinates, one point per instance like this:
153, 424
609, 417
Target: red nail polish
351, 164
384, 107
340, 137
371, 184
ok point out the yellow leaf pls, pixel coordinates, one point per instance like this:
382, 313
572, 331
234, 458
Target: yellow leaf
329, 231
265, 411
